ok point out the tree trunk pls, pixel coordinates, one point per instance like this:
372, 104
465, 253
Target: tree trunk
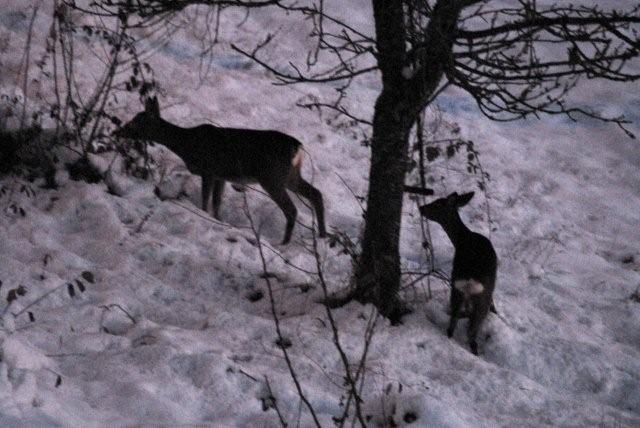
397, 108
378, 272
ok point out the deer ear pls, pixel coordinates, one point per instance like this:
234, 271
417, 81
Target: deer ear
452, 199
152, 106
464, 199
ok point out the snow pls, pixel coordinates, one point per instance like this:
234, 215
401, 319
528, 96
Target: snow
171, 331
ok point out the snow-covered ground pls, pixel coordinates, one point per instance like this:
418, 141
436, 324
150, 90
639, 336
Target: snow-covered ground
170, 331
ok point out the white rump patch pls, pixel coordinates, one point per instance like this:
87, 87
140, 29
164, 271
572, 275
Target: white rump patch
297, 158
469, 287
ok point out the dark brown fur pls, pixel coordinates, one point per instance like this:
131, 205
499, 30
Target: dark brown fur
474, 259
237, 155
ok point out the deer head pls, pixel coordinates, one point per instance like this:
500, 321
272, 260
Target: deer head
143, 124
443, 209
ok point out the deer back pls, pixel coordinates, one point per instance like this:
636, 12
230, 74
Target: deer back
239, 154
475, 258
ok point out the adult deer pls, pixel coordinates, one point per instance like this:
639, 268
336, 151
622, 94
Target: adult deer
241, 156
474, 265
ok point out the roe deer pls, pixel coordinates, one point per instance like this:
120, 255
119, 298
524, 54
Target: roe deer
242, 156
474, 265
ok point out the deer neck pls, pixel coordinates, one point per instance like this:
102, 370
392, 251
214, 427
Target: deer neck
172, 136
455, 229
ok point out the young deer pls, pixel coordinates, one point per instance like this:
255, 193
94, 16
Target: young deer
474, 265
241, 156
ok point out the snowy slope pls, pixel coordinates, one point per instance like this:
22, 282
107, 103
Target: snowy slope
169, 332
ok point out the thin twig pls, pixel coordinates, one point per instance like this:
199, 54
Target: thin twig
276, 319
27, 63
350, 379
274, 403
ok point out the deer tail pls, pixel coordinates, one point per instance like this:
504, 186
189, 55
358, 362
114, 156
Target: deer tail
296, 161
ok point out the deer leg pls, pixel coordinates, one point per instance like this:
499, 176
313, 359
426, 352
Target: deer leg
478, 314
218, 190
314, 196
280, 197
206, 192
456, 302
